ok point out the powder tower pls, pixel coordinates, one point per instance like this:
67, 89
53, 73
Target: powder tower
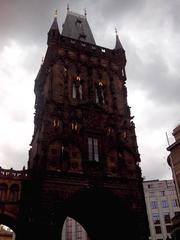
84, 160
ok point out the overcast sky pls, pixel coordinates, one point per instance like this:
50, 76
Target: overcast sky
149, 32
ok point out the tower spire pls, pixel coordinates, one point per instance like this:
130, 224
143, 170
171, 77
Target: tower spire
53, 34
54, 25
85, 12
118, 43
56, 13
68, 7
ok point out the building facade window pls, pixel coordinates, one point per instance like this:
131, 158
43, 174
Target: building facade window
158, 229
154, 204
77, 89
100, 93
172, 192
162, 193
164, 204
168, 228
74, 95
3, 191
175, 203
79, 231
167, 218
14, 193
93, 151
156, 218
152, 194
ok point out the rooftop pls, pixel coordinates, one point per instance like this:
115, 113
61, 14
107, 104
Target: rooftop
76, 26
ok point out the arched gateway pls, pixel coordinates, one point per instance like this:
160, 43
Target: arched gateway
102, 214
84, 160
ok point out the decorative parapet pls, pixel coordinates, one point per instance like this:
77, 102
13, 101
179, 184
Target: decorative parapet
13, 174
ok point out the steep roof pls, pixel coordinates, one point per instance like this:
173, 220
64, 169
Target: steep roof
118, 43
76, 26
54, 25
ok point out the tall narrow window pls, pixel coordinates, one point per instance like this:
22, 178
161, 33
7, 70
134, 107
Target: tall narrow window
14, 193
80, 91
93, 153
74, 91
164, 204
97, 97
154, 204
3, 191
175, 202
100, 93
156, 218
167, 218
77, 89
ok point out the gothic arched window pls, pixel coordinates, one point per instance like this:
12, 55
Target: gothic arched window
3, 191
77, 90
74, 95
100, 93
14, 193
97, 97
57, 124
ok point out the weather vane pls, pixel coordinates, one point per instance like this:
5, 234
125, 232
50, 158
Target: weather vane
85, 12
56, 13
116, 31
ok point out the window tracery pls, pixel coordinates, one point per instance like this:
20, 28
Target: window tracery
74, 126
93, 149
57, 123
100, 97
77, 89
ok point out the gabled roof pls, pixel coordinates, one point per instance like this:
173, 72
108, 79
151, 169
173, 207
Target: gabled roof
76, 26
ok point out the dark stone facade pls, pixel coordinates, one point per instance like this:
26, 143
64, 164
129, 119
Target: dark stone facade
84, 160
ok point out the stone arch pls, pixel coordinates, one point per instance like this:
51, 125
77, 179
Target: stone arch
13, 193
102, 214
3, 191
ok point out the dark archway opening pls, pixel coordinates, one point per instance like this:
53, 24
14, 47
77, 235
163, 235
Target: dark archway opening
102, 214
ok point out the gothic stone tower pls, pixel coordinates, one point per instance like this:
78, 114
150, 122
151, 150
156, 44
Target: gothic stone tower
84, 159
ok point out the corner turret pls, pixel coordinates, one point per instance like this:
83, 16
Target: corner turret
118, 45
54, 34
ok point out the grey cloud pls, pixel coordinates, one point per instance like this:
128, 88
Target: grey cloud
161, 85
13, 158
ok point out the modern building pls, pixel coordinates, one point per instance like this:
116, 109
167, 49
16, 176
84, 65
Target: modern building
174, 159
72, 230
174, 163
162, 205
